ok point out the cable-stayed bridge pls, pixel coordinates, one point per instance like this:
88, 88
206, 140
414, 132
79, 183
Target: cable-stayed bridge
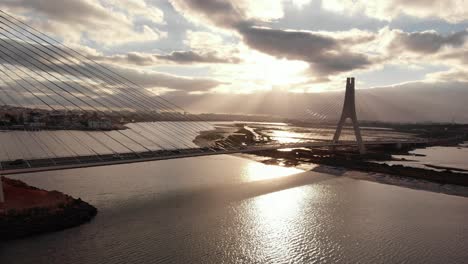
42, 80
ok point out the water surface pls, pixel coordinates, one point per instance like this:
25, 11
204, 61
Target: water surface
444, 156
227, 209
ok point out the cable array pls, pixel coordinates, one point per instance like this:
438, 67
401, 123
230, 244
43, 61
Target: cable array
39, 73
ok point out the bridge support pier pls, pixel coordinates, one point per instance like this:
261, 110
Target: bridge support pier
349, 111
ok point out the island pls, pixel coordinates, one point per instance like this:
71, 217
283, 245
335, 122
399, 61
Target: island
30, 211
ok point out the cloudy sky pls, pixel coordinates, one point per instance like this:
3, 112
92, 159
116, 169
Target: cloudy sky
274, 56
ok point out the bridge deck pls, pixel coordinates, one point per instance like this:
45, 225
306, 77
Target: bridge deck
62, 163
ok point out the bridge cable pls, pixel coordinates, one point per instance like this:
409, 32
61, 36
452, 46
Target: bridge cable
98, 70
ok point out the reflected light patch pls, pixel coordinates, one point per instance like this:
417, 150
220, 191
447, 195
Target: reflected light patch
278, 221
258, 171
291, 149
279, 205
286, 136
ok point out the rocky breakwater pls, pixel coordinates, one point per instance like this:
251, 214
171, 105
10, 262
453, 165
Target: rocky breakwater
30, 211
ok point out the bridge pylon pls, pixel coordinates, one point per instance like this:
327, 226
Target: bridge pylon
349, 111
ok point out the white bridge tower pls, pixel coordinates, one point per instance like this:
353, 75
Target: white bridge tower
349, 111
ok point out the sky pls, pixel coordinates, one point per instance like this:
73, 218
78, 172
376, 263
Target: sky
276, 57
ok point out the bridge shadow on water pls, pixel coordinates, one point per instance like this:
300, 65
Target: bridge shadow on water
220, 195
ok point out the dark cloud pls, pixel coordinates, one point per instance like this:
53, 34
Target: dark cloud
132, 58
289, 44
194, 57
341, 62
219, 12
178, 57
460, 56
326, 54
427, 42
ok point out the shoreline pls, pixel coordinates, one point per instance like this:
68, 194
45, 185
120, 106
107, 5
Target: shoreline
364, 164
348, 158
382, 178
411, 183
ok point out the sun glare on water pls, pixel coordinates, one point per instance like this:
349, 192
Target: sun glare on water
286, 136
257, 171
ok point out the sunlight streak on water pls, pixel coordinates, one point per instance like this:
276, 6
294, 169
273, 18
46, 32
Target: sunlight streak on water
258, 171
277, 222
283, 136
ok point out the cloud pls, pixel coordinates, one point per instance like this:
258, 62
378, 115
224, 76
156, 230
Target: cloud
242, 47
138, 9
408, 49
459, 56
455, 74
205, 48
153, 79
329, 54
106, 22
193, 57
426, 42
454, 11
175, 57
229, 13
91, 12
292, 44
18, 57
131, 58
326, 53
217, 13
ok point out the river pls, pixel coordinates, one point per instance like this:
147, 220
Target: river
228, 209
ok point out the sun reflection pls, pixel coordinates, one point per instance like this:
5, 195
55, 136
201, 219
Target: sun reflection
279, 222
283, 136
257, 171
279, 205
277, 218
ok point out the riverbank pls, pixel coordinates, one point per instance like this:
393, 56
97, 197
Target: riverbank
366, 163
349, 158
30, 211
